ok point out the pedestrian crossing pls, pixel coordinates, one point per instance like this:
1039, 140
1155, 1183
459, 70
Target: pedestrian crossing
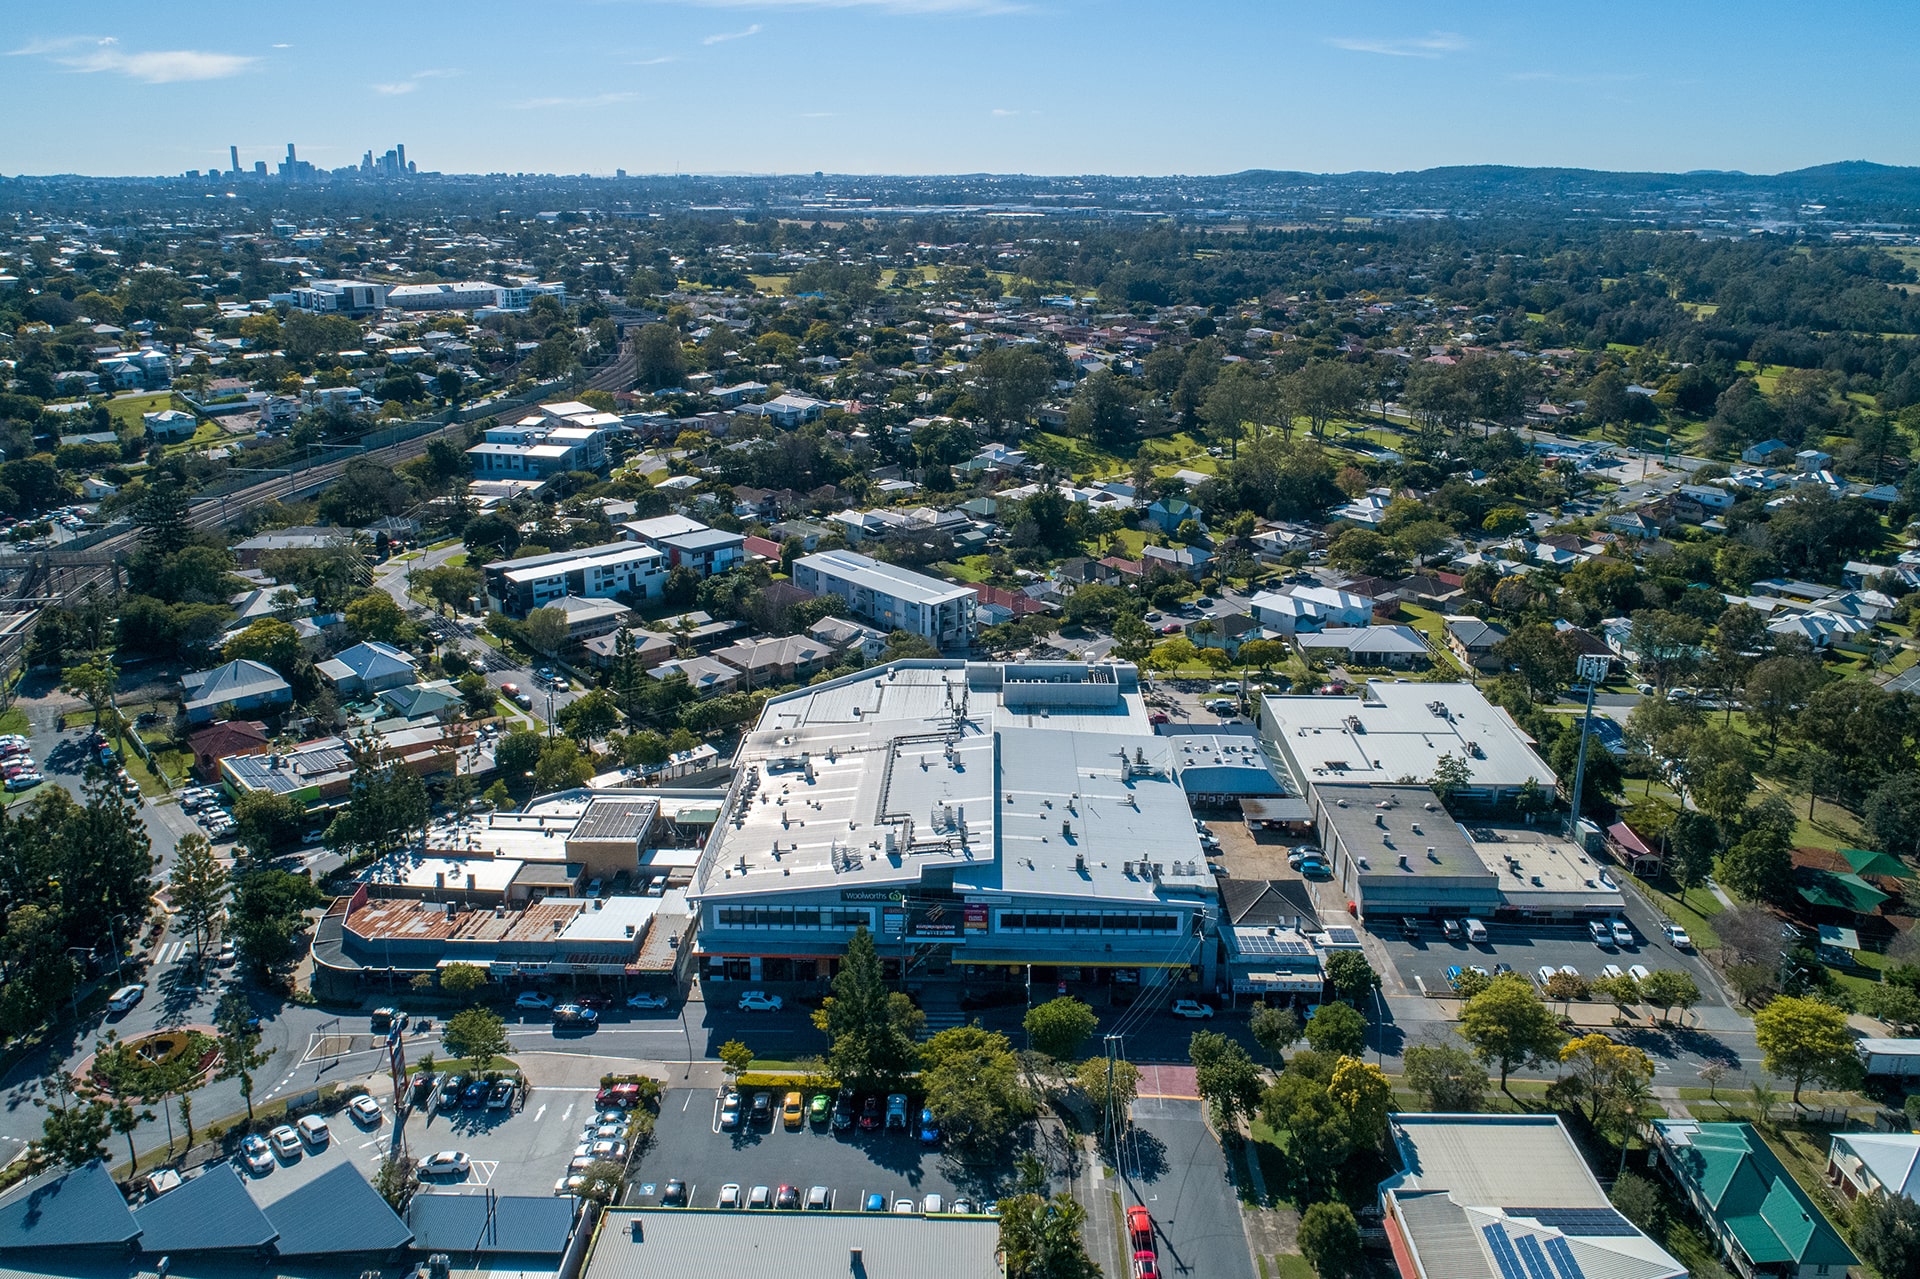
939, 1019
172, 952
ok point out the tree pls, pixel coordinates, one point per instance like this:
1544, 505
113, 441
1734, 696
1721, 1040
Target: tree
1318, 1129
1041, 1238
1362, 1090
462, 979
267, 823
1337, 1028
1670, 988
1109, 1087
1449, 1077
1886, 1233
1225, 1077
602, 1181
269, 641
1352, 977
1329, 1238
239, 1042
386, 804
870, 1030
1274, 1029
397, 1181
1898, 1006
268, 910
163, 514
590, 716
1776, 689
1759, 865
1807, 1041
1537, 655
75, 1130
197, 889
93, 681
1640, 1201
1059, 1028
1600, 1068
545, 630
1622, 991
1507, 1025
1893, 814
375, 616
1693, 841
735, 1058
478, 1034
659, 360
1450, 776
973, 1086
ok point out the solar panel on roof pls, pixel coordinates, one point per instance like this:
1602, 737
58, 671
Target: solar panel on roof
1578, 1221
1536, 1260
1342, 937
1503, 1253
1261, 944
1563, 1259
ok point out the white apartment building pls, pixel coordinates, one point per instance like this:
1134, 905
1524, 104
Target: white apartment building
517, 587
892, 598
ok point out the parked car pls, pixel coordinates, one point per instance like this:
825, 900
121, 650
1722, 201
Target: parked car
259, 1155
897, 1111
452, 1090
646, 1001
1623, 934
730, 1111
314, 1130
1450, 929
843, 1111
1639, 972
1314, 868
446, 1161
366, 1110
932, 1204
787, 1197
904, 1207
818, 1109
729, 1196
791, 1111
533, 999
675, 1195
760, 1197
874, 1201
1146, 1266
1191, 1008
575, 1016
929, 1129
1612, 971
819, 1199
501, 1096
285, 1141
1601, 934
1545, 973
869, 1114
1409, 927
1140, 1229
763, 1109
476, 1094
759, 1001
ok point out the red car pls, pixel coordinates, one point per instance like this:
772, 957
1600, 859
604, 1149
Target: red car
1139, 1230
511, 690
869, 1114
1158, 717
1171, 628
1146, 1266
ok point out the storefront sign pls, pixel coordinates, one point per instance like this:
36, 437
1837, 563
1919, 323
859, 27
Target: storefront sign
976, 919
872, 895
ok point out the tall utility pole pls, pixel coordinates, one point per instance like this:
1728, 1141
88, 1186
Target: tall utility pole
1593, 667
1113, 1142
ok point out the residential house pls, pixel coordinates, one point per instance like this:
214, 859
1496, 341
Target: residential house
251, 606
517, 587
1472, 640
1298, 609
1368, 509
1283, 539
890, 597
706, 552
1430, 590
1227, 632
422, 701
170, 425
587, 618
1764, 1223
307, 538
241, 684
1811, 460
1188, 561
1014, 603
786, 411
708, 676
846, 637
649, 649
1169, 513
1648, 521
1763, 452
222, 738
1399, 648
780, 660
1875, 1163
368, 668
761, 548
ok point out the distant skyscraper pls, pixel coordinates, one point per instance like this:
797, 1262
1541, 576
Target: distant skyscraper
234, 154
259, 168
402, 149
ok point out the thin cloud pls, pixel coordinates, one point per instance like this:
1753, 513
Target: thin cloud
397, 87
88, 55
598, 100
283, 46
654, 62
724, 36
394, 90
1004, 111
1437, 44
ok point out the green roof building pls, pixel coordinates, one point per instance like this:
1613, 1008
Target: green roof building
1764, 1222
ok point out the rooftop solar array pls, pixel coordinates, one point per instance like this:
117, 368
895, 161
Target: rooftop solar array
1342, 937
1262, 944
1587, 1222
1524, 1257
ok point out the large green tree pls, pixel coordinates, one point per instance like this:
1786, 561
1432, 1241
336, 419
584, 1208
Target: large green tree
269, 909
870, 1029
973, 1086
1507, 1025
1807, 1041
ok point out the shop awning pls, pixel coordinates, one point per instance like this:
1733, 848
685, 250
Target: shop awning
1307, 983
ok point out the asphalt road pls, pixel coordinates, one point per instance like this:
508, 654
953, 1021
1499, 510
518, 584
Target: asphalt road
1171, 1164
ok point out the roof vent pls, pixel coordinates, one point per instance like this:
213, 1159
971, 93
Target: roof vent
1430, 854
1403, 862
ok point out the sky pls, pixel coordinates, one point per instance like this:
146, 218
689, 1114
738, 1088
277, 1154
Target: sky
959, 86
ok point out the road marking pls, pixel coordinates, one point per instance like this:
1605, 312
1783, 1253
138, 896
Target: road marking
567, 1113
543, 1110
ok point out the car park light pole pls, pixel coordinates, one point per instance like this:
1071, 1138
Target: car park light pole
1593, 667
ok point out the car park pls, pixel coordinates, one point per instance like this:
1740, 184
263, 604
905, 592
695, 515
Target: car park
760, 1197
729, 1196
759, 1001
366, 1110
314, 1130
786, 1197
285, 1141
1192, 1009
443, 1162
259, 1156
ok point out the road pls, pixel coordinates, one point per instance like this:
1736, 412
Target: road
1171, 1164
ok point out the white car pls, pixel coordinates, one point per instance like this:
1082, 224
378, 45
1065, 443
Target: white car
1545, 973
1623, 934
729, 1196
1611, 971
285, 1141
454, 1161
533, 999
1639, 972
1192, 1008
1569, 970
645, 1000
365, 1110
932, 1204
1677, 937
759, 1001
126, 997
1601, 934
314, 1129
569, 1183
258, 1154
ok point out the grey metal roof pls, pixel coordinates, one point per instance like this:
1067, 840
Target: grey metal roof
81, 1208
457, 1223
615, 819
338, 1211
212, 1212
641, 1243
1366, 639
233, 682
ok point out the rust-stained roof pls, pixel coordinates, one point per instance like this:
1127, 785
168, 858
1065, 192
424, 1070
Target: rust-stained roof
427, 921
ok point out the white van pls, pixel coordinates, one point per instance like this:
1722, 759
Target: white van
1476, 931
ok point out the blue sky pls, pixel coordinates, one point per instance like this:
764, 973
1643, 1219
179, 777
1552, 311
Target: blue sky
952, 86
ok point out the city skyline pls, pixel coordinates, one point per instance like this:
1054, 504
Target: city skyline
963, 86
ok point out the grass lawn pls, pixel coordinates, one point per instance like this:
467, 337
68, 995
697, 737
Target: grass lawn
775, 284
1695, 916
457, 560
968, 568
1129, 543
15, 721
126, 411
